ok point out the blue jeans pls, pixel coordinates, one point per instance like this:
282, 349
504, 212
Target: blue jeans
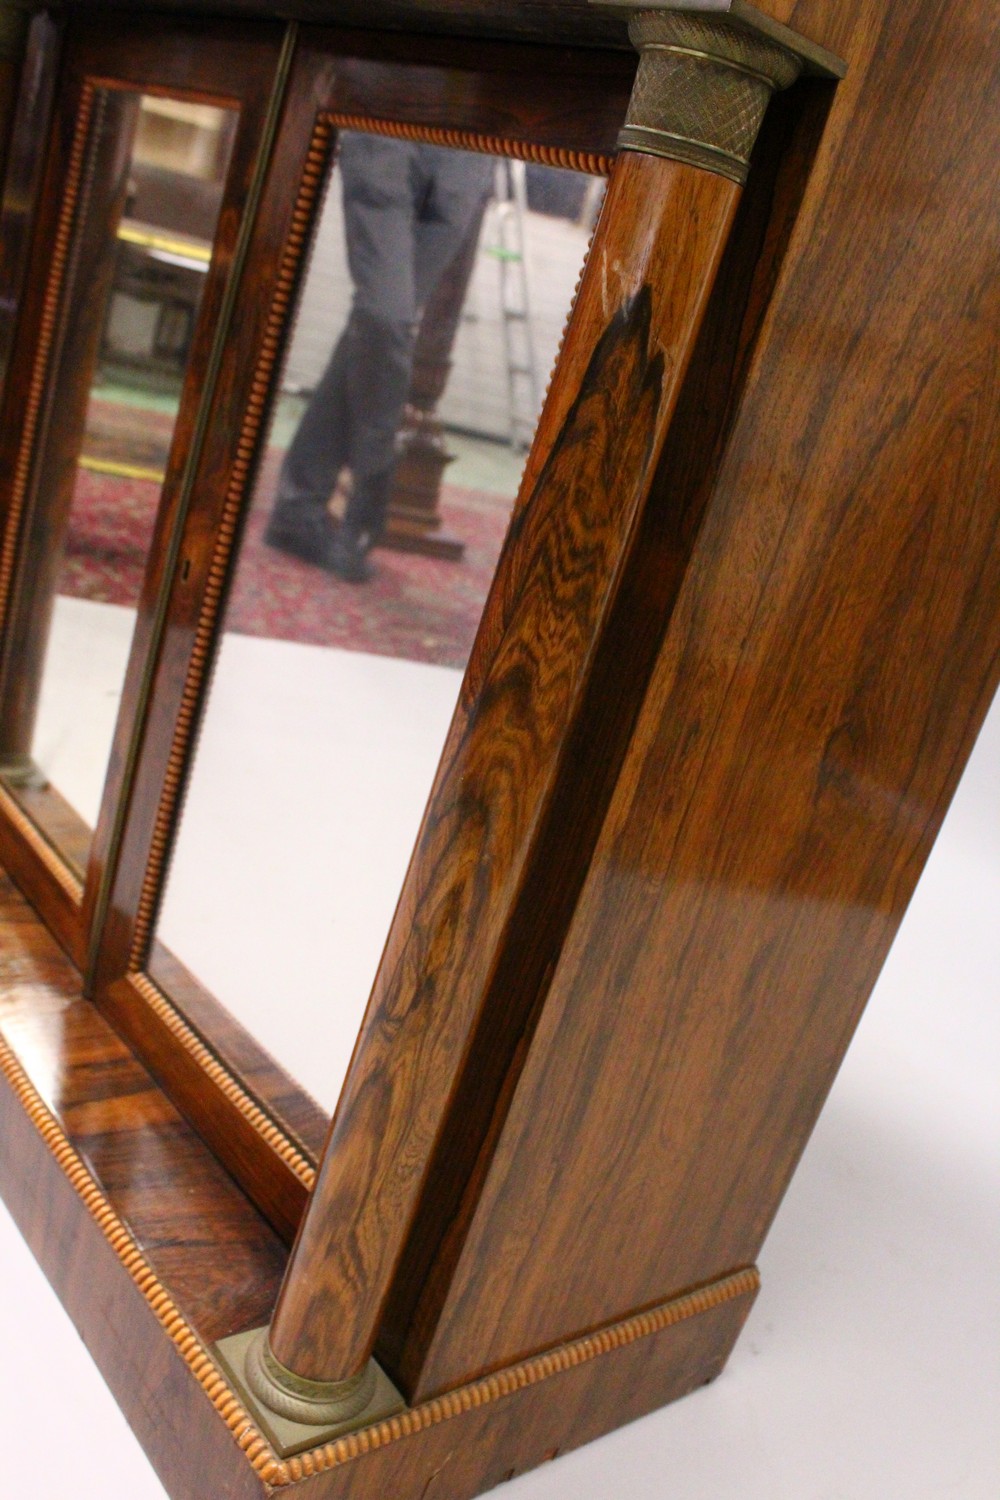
407, 210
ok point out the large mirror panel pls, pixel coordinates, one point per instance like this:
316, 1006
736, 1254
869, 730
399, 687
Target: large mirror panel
148, 194
427, 324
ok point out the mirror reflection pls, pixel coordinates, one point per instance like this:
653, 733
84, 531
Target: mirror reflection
428, 322
147, 218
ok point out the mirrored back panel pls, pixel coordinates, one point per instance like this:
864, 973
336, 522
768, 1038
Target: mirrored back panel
145, 190
424, 332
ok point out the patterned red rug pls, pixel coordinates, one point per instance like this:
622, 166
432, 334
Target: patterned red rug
415, 607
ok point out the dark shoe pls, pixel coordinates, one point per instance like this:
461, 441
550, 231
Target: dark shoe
307, 533
349, 556
368, 506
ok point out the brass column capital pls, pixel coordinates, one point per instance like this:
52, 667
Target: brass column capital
706, 75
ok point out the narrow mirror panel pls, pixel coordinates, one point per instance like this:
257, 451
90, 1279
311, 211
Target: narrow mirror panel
149, 199
427, 325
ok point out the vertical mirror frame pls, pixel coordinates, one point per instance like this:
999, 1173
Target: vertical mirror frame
203, 64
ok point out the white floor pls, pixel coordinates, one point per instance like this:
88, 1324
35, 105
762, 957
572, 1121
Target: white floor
81, 687
335, 750
870, 1368
339, 747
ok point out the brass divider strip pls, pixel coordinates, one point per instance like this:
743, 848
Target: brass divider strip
46, 339
261, 1456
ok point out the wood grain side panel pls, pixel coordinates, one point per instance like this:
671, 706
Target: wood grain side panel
833, 653
623, 663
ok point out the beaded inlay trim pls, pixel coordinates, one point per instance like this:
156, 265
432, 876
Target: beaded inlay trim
518, 1377
278, 1472
261, 1121
596, 163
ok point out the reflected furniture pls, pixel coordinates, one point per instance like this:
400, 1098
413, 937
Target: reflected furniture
741, 637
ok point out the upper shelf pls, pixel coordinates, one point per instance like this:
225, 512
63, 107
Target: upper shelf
564, 22
587, 23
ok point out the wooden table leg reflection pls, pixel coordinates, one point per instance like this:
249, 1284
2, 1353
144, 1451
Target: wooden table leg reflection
414, 519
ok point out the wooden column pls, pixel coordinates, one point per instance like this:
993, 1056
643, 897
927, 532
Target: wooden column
519, 795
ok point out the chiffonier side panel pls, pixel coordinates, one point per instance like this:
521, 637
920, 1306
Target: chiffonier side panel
832, 655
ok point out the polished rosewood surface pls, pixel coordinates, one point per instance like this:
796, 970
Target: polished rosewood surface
220, 1259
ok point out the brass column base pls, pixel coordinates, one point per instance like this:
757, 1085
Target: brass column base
351, 1405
